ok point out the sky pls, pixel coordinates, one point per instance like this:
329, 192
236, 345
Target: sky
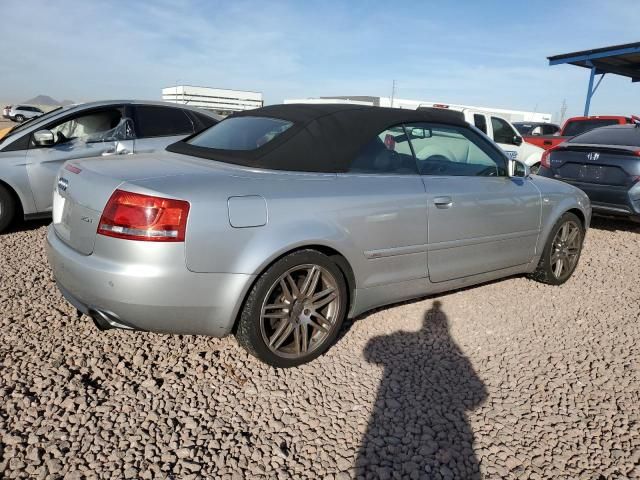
485, 53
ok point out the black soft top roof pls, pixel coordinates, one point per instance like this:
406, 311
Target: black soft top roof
323, 138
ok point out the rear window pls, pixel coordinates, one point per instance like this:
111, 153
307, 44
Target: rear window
241, 133
629, 136
581, 126
523, 128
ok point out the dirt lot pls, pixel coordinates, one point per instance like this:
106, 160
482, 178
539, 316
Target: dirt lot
512, 379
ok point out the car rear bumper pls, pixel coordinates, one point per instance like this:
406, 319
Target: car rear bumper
164, 298
607, 200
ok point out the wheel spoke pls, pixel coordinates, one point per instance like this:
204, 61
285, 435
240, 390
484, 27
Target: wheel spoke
295, 291
323, 320
564, 232
286, 292
558, 269
275, 315
281, 334
323, 298
297, 339
317, 326
276, 306
310, 283
572, 236
304, 333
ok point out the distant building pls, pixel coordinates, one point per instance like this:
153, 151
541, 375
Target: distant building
511, 115
218, 100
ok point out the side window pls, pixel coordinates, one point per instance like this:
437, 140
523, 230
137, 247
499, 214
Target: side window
157, 121
453, 151
549, 129
480, 121
388, 153
92, 126
502, 131
536, 131
201, 121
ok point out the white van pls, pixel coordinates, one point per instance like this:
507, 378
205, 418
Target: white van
500, 131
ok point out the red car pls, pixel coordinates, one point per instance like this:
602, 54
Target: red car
576, 126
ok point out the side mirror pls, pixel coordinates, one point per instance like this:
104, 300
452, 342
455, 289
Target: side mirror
518, 169
44, 138
517, 140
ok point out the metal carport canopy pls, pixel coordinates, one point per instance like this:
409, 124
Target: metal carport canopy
621, 60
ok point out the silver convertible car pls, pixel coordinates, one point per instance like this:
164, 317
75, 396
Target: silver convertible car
277, 223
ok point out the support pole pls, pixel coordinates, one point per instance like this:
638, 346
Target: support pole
589, 92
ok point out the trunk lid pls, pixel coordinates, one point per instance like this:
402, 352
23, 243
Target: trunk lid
78, 199
83, 189
596, 164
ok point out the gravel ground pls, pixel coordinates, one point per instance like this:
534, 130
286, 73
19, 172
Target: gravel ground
511, 379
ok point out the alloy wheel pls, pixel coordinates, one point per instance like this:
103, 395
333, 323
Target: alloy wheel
565, 249
300, 310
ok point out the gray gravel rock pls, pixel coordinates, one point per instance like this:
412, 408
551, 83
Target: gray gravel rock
511, 379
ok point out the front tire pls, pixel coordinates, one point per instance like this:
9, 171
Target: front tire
19, 118
561, 252
294, 311
7, 208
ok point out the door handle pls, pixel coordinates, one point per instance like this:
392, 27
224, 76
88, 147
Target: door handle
443, 202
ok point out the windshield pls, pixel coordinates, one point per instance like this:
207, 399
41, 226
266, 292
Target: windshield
627, 136
581, 126
240, 133
35, 120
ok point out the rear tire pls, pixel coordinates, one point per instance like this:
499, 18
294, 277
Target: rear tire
7, 208
561, 252
294, 311
19, 118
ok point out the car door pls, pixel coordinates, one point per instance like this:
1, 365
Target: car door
103, 131
506, 137
479, 219
158, 126
384, 211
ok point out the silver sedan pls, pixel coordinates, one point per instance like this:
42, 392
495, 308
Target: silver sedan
276, 224
32, 152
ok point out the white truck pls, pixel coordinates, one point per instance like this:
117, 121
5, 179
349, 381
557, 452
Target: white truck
500, 131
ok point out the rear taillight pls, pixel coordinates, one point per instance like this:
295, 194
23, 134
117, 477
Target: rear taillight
144, 217
545, 160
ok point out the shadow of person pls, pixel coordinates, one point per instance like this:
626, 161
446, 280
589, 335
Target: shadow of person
418, 428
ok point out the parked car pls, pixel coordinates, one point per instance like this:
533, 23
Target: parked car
501, 132
535, 129
4, 131
20, 113
277, 223
5, 111
604, 163
32, 152
575, 126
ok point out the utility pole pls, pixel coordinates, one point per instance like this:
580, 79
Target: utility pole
563, 110
393, 92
